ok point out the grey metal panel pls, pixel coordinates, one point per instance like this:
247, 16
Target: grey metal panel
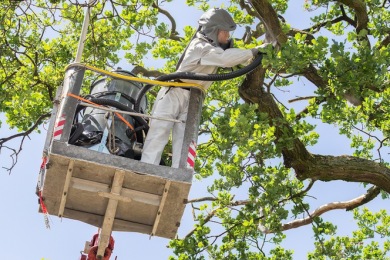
192, 124
53, 117
81, 153
72, 84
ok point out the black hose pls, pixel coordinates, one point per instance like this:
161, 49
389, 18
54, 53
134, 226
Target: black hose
108, 93
78, 110
197, 76
76, 132
116, 104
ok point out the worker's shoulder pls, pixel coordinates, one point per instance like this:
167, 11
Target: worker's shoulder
201, 46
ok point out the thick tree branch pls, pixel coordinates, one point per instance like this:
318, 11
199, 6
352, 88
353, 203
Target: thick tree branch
260, 30
371, 194
251, 89
312, 75
360, 12
347, 168
270, 20
295, 154
248, 9
347, 205
318, 167
147, 73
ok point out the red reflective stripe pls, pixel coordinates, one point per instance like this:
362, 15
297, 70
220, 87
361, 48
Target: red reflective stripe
190, 162
62, 122
192, 151
43, 206
58, 132
43, 164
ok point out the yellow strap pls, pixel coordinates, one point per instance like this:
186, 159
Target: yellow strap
148, 81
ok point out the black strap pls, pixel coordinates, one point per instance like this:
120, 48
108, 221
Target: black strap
185, 50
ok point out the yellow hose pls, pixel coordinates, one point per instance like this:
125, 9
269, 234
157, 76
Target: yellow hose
142, 80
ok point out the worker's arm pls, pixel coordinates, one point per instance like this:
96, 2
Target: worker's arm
216, 56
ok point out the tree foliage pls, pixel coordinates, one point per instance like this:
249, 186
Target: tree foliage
256, 139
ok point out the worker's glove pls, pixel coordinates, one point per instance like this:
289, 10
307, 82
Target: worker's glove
261, 48
265, 45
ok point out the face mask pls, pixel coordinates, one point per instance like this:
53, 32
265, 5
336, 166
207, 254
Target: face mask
228, 45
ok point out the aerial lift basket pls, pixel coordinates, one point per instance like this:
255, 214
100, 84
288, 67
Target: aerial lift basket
108, 191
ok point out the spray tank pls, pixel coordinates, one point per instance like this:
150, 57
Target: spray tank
106, 131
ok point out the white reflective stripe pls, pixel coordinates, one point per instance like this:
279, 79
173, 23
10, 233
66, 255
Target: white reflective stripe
58, 127
191, 155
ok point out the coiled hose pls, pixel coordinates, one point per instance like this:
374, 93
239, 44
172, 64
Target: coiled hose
196, 76
116, 104
78, 128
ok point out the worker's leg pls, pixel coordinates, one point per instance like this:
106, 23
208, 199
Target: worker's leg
179, 128
166, 106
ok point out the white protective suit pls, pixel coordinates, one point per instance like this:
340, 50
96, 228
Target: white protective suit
201, 56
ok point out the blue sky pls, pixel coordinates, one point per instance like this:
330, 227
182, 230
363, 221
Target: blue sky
26, 237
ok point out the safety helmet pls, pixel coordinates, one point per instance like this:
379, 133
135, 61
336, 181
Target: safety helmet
218, 18
214, 20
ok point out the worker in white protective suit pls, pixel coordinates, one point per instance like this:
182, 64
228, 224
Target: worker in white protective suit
208, 50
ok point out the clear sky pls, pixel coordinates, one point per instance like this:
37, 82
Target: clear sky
25, 236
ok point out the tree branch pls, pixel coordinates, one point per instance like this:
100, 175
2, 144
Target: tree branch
300, 99
201, 199
347, 205
260, 30
317, 27
295, 154
147, 73
270, 20
205, 220
29, 131
174, 33
241, 203
360, 12
347, 168
248, 9
7, 78
25, 134
385, 42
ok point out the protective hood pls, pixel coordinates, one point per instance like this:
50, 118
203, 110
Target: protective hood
214, 20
